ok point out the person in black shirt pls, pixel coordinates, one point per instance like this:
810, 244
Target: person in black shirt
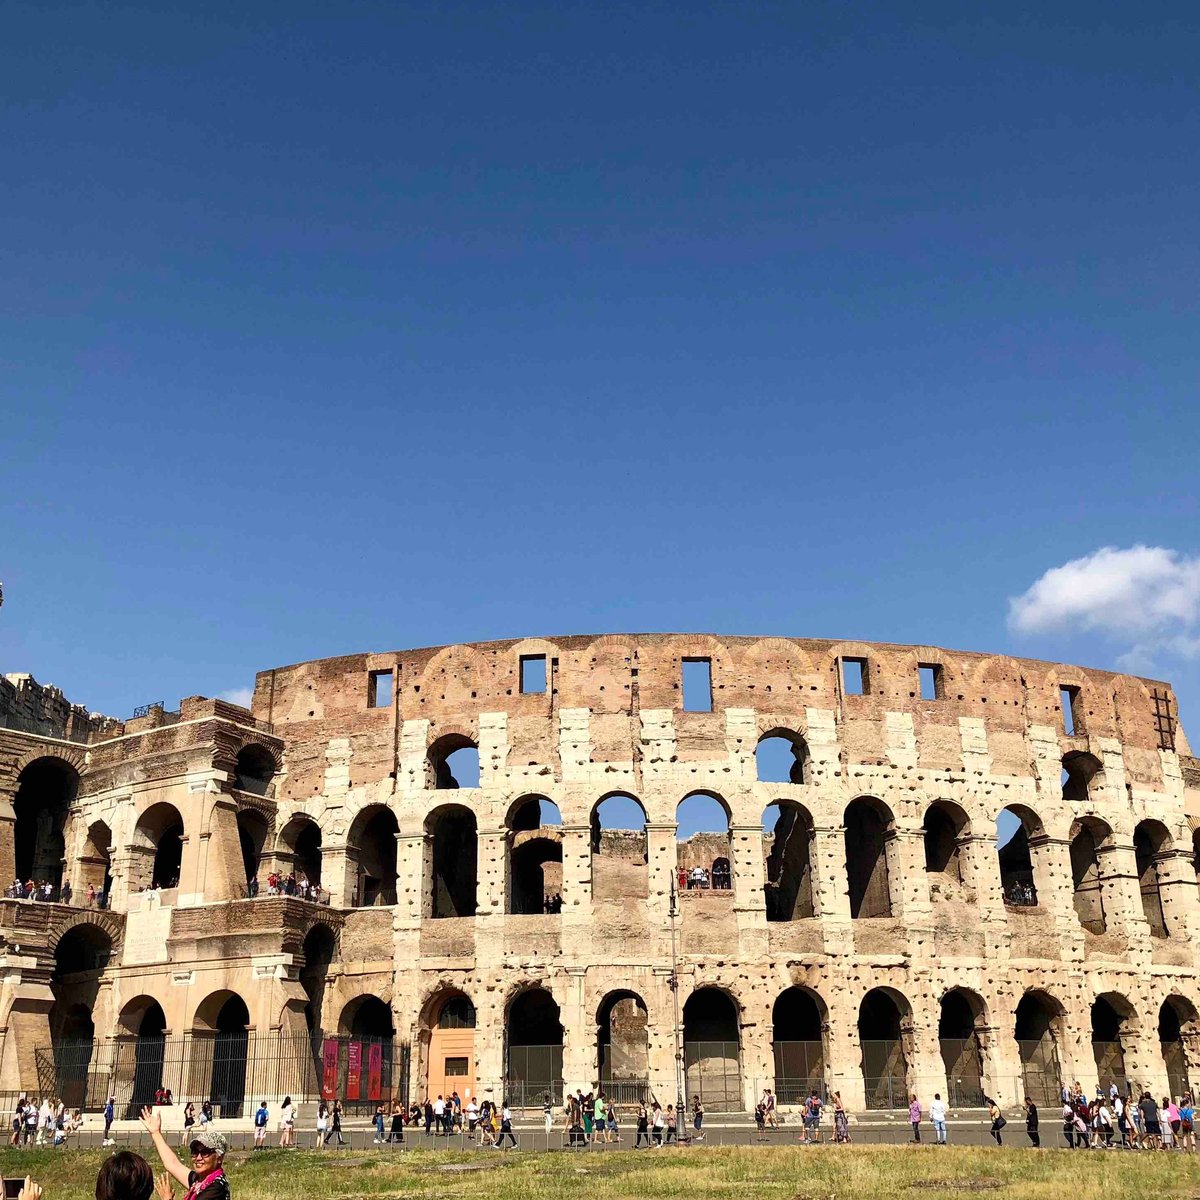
1031, 1122
208, 1149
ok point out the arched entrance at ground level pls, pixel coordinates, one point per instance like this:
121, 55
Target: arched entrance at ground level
157, 848
452, 854
798, 1024
1017, 828
367, 1067
869, 831
534, 1036
1110, 1013
1177, 1026
1151, 844
712, 1049
1088, 836
141, 1053
320, 945
299, 849
222, 1021
622, 1047
619, 851
252, 836
450, 1065
95, 864
80, 957
1037, 1032
961, 1015
788, 852
883, 1018
46, 789
372, 848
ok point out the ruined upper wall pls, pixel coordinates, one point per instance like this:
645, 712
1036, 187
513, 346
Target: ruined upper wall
31, 707
614, 678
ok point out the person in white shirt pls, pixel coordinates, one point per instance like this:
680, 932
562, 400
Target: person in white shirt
937, 1114
439, 1113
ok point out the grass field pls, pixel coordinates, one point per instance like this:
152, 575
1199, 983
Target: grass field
852, 1173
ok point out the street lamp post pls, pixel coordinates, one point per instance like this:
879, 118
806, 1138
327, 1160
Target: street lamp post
679, 1111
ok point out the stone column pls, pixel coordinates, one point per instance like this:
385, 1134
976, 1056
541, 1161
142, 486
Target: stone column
580, 1068
1120, 891
411, 893
339, 873
576, 868
1180, 897
908, 884
661, 851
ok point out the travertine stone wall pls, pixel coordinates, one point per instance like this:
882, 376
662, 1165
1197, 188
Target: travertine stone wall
611, 721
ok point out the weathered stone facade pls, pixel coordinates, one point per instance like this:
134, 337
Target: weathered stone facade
890, 912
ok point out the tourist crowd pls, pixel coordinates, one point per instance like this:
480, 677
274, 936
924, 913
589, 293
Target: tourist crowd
48, 1123
290, 884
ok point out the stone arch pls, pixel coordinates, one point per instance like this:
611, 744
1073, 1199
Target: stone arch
371, 849
946, 832
788, 853
1152, 845
1179, 1040
157, 848
712, 1047
255, 768
623, 1046
1079, 771
533, 1042
885, 1040
451, 755
81, 953
318, 950
47, 786
367, 1016
962, 1025
298, 848
1039, 1029
222, 1020
869, 841
534, 848
1022, 856
703, 857
782, 756
1089, 837
143, 1023
451, 861
447, 1041
799, 1043
1112, 1016
95, 862
619, 848
253, 832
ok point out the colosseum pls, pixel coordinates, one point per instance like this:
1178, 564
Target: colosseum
479, 867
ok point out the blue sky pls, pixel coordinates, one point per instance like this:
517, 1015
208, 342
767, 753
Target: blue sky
339, 328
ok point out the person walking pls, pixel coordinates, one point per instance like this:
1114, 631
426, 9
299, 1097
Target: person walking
657, 1125
396, 1132
1031, 1123
698, 1118
643, 1127
914, 1117
506, 1129
937, 1115
548, 1115
322, 1123
998, 1121
335, 1124
841, 1122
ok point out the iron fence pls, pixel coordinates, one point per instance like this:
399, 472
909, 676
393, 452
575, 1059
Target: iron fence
799, 1070
712, 1071
533, 1073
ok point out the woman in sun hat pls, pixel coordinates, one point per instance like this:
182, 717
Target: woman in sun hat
208, 1148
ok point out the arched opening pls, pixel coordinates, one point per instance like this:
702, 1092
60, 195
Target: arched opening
299, 849
95, 865
454, 762
702, 844
619, 852
46, 789
869, 833
320, 946
254, 770
1109, 1013
781, 757
623, 1047
1177, 1018
1037, 1031
1078, 771
534, 1034
961, 1014
367, 1022
252, 836
1088, 835
534, 857
80, 957
142, 1029
451, 1059
1017, 830
788, 854
946, 831
798, 1023
1151, 844
224, 1019
157, 849
882, 1019
451, 844
372, 847
712, 1049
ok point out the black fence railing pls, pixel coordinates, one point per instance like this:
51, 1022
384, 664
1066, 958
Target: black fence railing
229, 1069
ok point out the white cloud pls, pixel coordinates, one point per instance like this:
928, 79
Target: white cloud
1145, 596
242, 696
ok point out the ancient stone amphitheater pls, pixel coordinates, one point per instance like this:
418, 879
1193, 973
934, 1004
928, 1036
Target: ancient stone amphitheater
929, 870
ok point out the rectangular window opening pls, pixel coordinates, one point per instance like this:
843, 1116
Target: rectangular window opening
379, 689
1071, 716
856, 680
533, 674
456, 1067
697, 685
931, 681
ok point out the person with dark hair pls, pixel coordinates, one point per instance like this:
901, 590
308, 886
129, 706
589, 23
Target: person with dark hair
125, 1176
1031, 1123
207, 1175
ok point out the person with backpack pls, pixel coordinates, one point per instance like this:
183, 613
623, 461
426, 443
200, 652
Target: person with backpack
261, 1117
812, 1118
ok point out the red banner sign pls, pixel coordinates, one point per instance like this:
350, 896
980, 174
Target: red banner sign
353, 1070
374, 1071
329, 1063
